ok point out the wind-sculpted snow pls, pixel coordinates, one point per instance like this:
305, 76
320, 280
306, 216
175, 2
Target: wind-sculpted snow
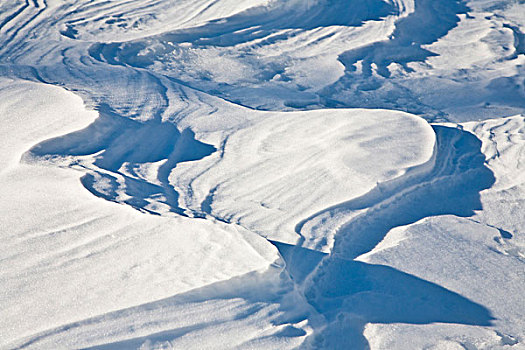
69, 256
503, 142
262, 174
287, 166
452, 187
123, 145
365, 54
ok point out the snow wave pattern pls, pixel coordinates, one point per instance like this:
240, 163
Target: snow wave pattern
173, 82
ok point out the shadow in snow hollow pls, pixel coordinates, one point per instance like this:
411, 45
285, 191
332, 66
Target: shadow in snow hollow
351, 293
121, 147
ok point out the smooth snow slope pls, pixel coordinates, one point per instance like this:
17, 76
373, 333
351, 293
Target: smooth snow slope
262, 174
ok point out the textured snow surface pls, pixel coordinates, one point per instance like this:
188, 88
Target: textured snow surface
260, 174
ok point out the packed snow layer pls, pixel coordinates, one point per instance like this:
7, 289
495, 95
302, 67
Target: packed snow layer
277, 183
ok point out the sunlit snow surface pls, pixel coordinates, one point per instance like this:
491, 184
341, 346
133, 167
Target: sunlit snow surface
262, 174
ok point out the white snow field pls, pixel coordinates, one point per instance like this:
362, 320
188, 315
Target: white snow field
262, 174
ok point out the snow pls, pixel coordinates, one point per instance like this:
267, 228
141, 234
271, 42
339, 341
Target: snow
287, 168
262, 174
474, 254
68, 255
